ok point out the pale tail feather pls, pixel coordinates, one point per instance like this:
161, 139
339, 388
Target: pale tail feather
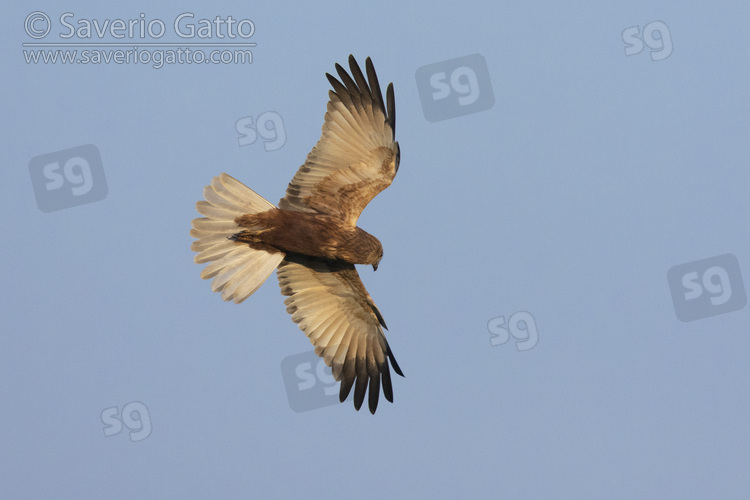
237, 270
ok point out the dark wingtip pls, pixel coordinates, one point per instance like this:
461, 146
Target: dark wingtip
379, 316
369, 84
387, 385
391, 107
374, 394
347, 381
398, 156
395, 366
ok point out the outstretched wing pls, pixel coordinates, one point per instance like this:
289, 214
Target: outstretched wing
329, 302
357, 155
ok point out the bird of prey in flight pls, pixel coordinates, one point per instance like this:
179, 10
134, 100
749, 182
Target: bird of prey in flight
312, 239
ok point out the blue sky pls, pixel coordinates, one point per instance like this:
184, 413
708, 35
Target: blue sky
563, 275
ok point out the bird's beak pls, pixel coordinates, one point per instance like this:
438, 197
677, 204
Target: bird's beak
375, 267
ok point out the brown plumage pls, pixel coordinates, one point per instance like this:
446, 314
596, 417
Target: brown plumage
313, 238
316, 235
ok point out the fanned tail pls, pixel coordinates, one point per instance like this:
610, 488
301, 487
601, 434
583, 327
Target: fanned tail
237, 269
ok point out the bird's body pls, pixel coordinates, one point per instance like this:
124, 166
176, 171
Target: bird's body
312, 240
315, 235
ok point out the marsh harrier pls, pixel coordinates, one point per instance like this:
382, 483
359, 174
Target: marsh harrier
312, 238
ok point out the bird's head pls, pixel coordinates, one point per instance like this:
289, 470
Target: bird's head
369, 250
377, 255
375, 264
